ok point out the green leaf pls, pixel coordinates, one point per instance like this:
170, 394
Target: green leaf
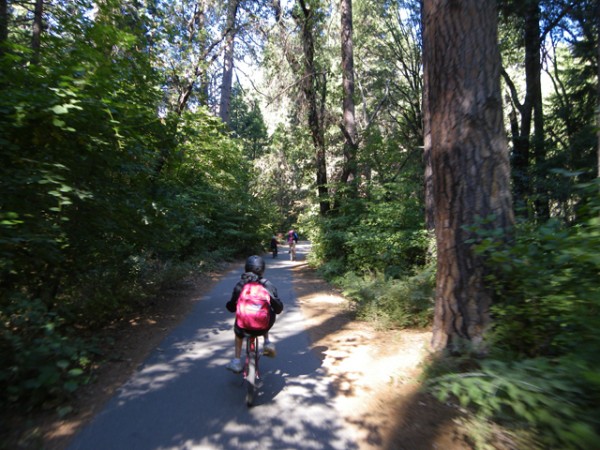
60, 109
62, 364
70, 386
75, 372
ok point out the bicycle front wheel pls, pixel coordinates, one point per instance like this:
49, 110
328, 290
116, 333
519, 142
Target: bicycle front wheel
251, 380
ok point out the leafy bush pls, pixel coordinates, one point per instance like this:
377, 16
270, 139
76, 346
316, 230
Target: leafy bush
403, 303
550, 396
377, 251
547, 290
543, 371
102, 201
41, 363
375, 235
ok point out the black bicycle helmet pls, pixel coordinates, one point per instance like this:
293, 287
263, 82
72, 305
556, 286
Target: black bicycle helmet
255, 264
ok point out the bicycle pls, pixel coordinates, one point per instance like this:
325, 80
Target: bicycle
251, 370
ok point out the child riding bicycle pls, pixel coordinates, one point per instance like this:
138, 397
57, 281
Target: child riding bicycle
292, 240
252, 281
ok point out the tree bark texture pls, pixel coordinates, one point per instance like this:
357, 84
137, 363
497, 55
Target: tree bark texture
310, 88
469, 159
227, 79
525, 149
597, 11
533, 79
3, 25
36, 35
349, 118
428, 178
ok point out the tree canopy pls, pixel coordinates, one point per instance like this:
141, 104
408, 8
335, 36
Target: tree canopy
143, 140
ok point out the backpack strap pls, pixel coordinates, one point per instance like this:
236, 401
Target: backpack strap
263, 283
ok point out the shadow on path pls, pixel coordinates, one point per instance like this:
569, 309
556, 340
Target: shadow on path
183, 398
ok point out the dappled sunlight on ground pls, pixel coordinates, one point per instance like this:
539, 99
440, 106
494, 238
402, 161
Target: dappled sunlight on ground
363, 374
375, 373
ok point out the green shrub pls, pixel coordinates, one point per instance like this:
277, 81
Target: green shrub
333, 269
547, 290
403, 303
543, 373
41, 364
552, 397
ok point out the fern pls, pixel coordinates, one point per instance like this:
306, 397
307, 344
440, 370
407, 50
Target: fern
547, 395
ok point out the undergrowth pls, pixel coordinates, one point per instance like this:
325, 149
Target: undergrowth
549, 397
391, 303
47, 350
541, 380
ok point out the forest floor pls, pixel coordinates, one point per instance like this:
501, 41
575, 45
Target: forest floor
375, 372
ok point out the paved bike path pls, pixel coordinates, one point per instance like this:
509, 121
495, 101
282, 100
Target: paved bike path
183, 398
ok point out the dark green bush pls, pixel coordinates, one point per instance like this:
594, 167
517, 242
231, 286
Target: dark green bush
102, 201
42, 362
376, 250
547, 291
403, 303
556, 399
543, 373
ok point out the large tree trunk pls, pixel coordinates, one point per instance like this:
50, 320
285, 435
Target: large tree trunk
227, 78
36, 35
597, 11
469, 159
428, 179
528, 178
349, 119
3, 25
533, 73
310, 87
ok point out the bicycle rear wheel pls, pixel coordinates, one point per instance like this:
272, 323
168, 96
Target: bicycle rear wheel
251, 379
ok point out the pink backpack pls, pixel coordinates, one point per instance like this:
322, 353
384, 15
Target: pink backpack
253, 306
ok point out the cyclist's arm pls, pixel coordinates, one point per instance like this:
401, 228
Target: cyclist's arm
276, 302
232, 303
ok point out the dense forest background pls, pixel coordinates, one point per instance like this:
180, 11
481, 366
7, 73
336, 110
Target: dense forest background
144, 140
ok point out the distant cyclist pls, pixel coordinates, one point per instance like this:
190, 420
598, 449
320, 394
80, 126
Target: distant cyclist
253, 276
292, 240
274, 245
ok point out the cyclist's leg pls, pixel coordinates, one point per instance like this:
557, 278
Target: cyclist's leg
269, 347
235, 365
239, 339
238, 346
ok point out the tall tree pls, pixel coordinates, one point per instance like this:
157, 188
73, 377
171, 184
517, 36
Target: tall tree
469, 159
3, 24
36, 35
534, 20
597, 16
348, 125
314, 86
531, 107
196, 34
227, 78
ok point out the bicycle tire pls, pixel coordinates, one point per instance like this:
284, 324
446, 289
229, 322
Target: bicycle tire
251, 379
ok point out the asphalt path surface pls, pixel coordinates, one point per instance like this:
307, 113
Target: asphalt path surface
182, 397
